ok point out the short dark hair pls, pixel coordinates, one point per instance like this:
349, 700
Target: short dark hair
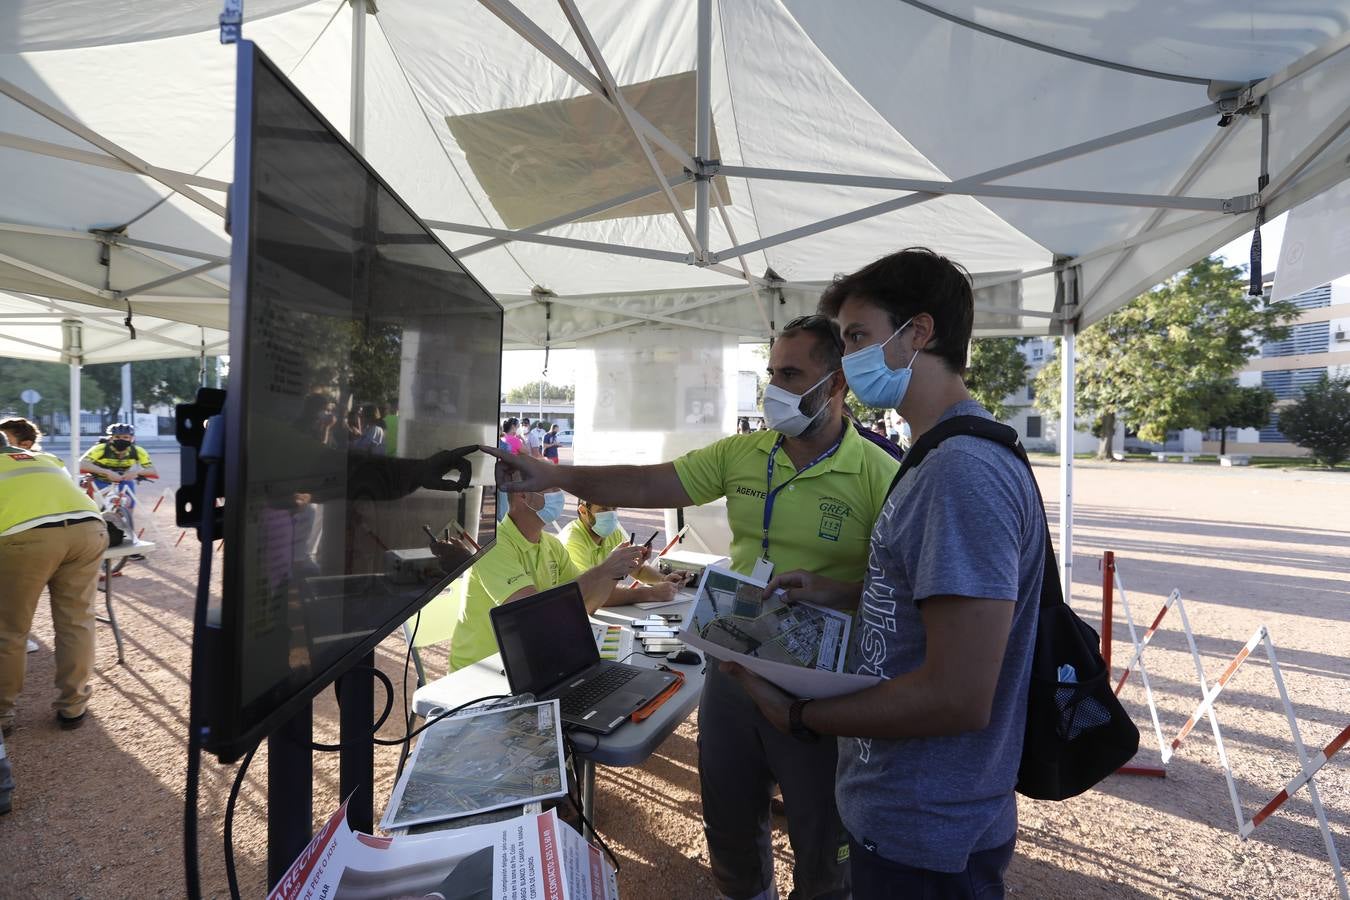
829, 348
914, 280
22, 429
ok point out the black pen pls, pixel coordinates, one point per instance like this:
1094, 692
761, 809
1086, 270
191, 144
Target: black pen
431, 534
648, 545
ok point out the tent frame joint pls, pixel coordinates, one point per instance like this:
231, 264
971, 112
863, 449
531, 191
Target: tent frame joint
1243, 203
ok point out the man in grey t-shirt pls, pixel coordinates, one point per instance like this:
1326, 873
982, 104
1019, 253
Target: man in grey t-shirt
928, 759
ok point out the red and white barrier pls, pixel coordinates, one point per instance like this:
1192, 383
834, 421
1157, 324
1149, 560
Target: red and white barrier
1309, 770
1209, 694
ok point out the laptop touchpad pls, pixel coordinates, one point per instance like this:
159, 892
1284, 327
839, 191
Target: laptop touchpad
622, 699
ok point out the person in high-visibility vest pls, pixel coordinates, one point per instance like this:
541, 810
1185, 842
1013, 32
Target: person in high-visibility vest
118, 458
51, 536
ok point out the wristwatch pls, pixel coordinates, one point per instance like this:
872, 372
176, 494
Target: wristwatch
795, 725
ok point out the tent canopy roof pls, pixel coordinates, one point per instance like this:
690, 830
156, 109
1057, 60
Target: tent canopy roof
1017, 139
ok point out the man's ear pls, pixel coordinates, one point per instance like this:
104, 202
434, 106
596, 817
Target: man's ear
838, 382
922, 331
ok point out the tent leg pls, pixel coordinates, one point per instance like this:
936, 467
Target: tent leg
703, 121
75, 419
130, 418
1066, 441
358, 111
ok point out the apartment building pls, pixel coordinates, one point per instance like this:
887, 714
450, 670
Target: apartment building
1318, 344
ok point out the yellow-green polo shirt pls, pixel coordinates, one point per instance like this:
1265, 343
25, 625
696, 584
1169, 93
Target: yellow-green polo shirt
512, 563
822, 521
584, 551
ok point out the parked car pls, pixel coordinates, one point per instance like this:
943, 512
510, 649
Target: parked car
1135, 445
564, 437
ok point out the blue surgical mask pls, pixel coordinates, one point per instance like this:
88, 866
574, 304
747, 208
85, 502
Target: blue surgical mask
605, 523
553, 506
874, 382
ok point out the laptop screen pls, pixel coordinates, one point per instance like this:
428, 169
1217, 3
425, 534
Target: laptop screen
544, 638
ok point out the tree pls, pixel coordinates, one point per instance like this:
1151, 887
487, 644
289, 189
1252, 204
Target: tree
529, 393
153, 381
997, 369
1152, 363
1231, 406
51, 380
1320, 421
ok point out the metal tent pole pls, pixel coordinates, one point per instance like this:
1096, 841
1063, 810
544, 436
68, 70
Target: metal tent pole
72, 353
1067, 432
356, 688
126, 395
75, 419
703, 122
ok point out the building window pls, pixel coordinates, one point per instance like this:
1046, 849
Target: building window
1033, 427
1031, 392
1037, 354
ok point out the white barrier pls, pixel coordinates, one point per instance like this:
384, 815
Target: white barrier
1208, 696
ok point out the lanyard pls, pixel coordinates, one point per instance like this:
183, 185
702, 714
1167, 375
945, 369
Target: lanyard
771, 492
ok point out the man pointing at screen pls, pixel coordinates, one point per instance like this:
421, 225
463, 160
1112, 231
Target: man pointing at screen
804, 495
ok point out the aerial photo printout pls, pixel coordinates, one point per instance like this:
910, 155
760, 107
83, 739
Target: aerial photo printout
476, 762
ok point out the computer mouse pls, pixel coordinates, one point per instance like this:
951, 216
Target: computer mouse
686, 657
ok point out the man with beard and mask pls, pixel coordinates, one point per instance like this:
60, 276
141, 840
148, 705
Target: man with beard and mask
803, 495
527, 559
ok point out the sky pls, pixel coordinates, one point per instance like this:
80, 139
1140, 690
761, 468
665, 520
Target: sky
523, 366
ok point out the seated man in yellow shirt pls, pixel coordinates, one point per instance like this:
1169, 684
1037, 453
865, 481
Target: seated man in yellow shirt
594, 535
525, 560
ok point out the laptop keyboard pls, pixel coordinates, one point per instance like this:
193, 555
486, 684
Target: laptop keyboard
595, 690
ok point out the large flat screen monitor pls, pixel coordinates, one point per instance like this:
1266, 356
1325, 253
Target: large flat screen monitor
360, 351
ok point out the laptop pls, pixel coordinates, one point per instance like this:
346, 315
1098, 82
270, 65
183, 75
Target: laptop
548, 650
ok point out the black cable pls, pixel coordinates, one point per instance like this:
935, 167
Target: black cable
436, 718
586, 823
388, 708
194, 760
230, 874
407, 714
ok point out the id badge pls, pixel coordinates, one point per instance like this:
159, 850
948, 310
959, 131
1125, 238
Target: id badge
763, 570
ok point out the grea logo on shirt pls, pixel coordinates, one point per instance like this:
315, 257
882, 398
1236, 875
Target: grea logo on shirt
833, 512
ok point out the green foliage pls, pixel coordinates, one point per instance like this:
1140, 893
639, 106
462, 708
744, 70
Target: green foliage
1320, 421
1231, 406
864, 414
51, 380
153, 381
1154, 362
529, 393
997, 369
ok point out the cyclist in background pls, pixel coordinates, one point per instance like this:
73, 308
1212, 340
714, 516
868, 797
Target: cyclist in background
117, 458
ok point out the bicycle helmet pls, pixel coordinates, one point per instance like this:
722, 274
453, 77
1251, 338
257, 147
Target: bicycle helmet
121, 428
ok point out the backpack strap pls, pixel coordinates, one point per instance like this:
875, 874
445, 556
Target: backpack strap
978, 426
872, 437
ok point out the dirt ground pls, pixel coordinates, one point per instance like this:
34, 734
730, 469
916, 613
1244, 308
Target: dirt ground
98, 812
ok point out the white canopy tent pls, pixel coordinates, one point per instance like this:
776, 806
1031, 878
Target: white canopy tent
711, 165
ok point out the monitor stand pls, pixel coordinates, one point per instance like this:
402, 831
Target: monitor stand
290, 771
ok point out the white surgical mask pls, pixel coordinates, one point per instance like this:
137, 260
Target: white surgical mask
605, 523
783, 409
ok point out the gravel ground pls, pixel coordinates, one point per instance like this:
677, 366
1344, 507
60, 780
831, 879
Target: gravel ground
98, 812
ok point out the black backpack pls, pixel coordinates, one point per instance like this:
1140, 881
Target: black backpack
1077, 732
